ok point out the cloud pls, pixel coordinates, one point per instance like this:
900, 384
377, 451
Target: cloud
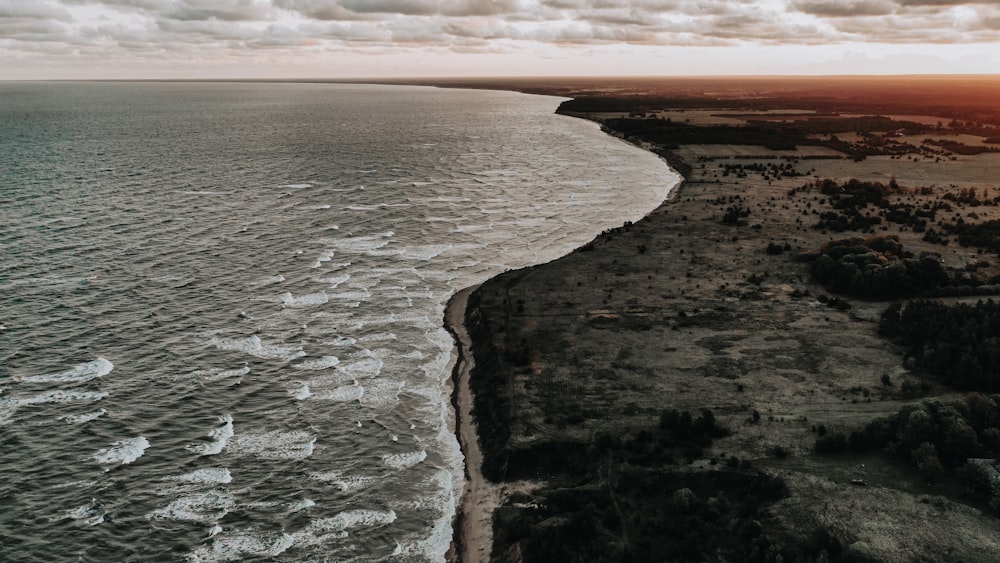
834, 9
224, 10
225, 29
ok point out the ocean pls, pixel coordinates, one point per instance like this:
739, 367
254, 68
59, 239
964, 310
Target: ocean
222, 306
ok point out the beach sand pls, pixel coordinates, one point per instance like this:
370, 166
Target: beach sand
474, 531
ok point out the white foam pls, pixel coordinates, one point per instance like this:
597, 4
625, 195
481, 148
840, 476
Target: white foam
297, 186
381, 393
311, 537
220, 438
324, 362
474, 228
204, 506
274, 444
426, 251
341, 394
208, 476
363, 244
273, 279
88, 514
81, 418
379, 337
248, 345
280, 352
61, 396
434, 546
324, 256
215, 375
375, 207
404, 460
362, 295
341, 341
302, 393
368, 367
307, 300
122, 452
354, 519
235, 546
255, 347
321, 206
301, 505
335, 280
365, 282
82, 372
346, 483
386, 252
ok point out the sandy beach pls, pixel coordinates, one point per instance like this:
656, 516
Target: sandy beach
473, 526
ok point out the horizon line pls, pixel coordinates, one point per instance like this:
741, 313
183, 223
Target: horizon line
379, 79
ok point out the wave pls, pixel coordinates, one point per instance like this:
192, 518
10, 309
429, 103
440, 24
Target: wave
253, 346
79, 374
324, 362
274, 444
209, 476
354, 519
236, 546
304, 300
204, 506
88, 514
61, 396
219, 438
231, 376
368, 367
81, 418
341, 394
404, 460
122, 452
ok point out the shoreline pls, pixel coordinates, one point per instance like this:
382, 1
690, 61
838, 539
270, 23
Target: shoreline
474, 510
472, 539
687, 309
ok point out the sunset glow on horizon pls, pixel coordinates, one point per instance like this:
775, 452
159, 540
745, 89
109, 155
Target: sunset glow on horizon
80, 39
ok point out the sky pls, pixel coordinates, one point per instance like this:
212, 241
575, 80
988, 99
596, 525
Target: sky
136, 39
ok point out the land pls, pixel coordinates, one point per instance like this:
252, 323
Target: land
683, 388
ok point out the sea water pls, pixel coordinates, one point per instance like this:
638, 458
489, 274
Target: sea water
222, 306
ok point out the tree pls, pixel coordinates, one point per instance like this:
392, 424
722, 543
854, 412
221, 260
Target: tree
925, 456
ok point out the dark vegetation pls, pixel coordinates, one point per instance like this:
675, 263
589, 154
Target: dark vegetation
958, 343
967, 103
876, 268
943, 440
655, 515
860, 206
959, 148
778, 135
981, 235
625, 496
624, 500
